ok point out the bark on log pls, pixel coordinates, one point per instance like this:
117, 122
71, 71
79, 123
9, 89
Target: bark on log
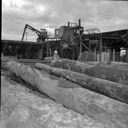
21, 108
101, 108
100, 71
115, 90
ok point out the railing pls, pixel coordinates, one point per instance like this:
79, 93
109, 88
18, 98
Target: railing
105, 57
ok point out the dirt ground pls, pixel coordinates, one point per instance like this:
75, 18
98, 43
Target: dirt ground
22, 107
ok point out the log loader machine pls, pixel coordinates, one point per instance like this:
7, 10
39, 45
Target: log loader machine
70, 41
42, 34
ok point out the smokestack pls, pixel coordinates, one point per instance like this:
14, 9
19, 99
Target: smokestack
68, 24
79, 22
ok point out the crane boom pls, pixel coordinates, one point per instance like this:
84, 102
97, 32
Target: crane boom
41, 35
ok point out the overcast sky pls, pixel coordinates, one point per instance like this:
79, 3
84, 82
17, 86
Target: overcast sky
51, 14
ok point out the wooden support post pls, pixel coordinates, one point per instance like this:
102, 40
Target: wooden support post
95, 54
80, 39
89, 54
113, 54
47, 49
42, 51
100, 49
80, 48
19, 49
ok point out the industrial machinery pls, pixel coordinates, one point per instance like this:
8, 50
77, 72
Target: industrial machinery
71, 41
42, 35
68, 40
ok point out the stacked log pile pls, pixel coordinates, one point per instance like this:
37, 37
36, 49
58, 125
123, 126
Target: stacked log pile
100, 71
115, 90
21, 108
100, 108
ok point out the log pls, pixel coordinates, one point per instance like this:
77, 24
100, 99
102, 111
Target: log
101, 71
100, 108
34, 111
114, 90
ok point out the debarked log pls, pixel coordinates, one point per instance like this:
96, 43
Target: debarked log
114, 90
100, 108
101, 71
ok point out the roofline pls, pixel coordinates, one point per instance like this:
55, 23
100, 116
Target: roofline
116, 30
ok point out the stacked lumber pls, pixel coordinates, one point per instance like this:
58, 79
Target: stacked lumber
100, 108
101, 71
115, 90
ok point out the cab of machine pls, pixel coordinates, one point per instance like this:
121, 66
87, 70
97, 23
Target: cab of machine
59, 32
43, 33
